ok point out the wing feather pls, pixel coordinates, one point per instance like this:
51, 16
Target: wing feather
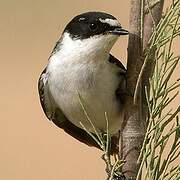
121, 91
46, 100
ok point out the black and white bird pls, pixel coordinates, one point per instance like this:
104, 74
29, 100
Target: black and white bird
81, 64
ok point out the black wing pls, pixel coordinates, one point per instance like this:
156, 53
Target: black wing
118, 63
121, 91
46, 100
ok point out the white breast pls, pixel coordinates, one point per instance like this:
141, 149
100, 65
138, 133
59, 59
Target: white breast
95, 79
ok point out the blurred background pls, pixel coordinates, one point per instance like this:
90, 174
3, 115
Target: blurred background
32, 148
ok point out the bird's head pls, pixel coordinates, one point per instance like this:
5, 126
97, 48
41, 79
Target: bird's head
92, 32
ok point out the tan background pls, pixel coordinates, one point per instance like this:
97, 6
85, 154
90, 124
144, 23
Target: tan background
31, 147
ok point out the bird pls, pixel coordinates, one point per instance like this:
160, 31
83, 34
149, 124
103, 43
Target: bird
81, 68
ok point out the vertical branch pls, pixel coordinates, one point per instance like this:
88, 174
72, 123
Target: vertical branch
133, 131
134, 46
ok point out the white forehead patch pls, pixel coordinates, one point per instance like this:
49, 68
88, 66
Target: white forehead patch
82, 18
111, 22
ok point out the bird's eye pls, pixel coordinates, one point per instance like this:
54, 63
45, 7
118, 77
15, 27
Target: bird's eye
93, 26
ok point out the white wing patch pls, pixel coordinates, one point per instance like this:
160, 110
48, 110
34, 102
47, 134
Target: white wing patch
111, 22
44, 78
82, 18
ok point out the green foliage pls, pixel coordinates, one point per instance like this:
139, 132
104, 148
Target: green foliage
103, 140
161, 147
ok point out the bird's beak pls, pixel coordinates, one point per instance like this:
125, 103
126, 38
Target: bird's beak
119, 31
